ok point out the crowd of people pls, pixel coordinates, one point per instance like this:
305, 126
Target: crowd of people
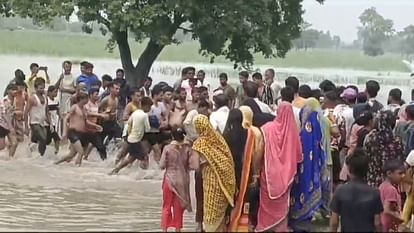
266, 157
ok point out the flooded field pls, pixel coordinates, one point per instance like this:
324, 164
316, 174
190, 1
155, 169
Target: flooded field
36, 195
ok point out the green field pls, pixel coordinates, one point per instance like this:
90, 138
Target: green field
82, 45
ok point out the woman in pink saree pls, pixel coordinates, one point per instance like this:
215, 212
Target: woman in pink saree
283, 152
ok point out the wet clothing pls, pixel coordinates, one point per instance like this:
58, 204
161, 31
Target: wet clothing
136, 150
75, 136
39, 136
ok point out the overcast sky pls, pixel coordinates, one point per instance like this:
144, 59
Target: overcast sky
340, 17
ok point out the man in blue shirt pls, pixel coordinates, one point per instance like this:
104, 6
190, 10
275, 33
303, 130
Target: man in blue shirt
87, 77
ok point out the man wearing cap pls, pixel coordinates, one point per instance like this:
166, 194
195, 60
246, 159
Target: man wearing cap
343, 112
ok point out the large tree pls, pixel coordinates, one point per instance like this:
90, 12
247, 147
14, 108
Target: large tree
407, 36
234, 29
375, 30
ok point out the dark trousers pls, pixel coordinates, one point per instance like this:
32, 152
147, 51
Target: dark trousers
39, 136
199, 195
96, 140
111, 129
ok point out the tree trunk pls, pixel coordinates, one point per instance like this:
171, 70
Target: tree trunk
145, 61
135, 75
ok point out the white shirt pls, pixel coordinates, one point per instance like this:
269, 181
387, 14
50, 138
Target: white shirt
101, 91
139, 123
264, 107
276, 91
296, 112
54, 116
218, 119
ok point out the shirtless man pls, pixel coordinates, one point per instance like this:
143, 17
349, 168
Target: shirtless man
109, 105
19, 104
129, 109
93, 115
195, 97
38, 114
179, 109
81, 87
6, 120
167, 100
77, 128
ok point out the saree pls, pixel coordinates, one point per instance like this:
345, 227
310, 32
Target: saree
239, 218
253, 199
219, 182
236, 136
380, 146
283, 153
312, 181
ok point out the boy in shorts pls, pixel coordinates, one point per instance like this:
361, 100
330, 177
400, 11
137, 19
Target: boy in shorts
6, 120
53, 107
77, 129
139, 124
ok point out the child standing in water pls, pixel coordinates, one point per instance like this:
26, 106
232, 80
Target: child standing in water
53, 107
177, 162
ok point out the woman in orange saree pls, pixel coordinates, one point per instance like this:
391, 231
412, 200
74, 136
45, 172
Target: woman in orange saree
283, 152
247, 143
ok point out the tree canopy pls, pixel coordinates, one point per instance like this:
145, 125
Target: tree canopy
375, 30
236, 30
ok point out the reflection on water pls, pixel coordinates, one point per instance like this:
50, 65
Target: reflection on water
36, 195
54, 209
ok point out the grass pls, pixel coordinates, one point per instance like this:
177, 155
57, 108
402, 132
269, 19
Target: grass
87, 46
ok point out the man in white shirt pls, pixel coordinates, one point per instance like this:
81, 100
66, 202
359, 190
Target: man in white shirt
218, 118
270, 81
138, 125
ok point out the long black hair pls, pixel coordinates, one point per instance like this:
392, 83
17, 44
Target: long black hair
259, 118
236, 137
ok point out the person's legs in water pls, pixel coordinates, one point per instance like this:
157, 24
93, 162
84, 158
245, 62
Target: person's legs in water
88, 151
167, 204
12, 144
39, 135
72, 153
122, 152
56, 141
96, 140
76, 147
3, 133
136, 151
124, 163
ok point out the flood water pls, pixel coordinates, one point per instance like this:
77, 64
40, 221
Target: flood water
36, 195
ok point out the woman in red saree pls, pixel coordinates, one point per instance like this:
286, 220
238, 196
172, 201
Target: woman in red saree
283, 152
